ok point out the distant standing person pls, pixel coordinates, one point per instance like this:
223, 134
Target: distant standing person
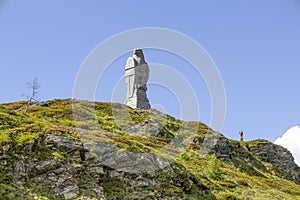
241, 136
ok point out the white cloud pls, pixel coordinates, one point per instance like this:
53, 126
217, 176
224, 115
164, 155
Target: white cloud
291, 140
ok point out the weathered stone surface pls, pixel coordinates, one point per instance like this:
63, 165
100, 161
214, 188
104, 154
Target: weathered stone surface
223, 149
70, 177
71, 192
280, 158
45, 166
234, 153
109, 155
136, 77
6, 148
62, 143
63, 175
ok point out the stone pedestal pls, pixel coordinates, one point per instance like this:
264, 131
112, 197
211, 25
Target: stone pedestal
136, 77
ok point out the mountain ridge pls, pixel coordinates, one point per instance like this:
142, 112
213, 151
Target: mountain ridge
56, 150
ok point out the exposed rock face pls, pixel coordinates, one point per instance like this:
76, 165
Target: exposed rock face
125, 161
104, 167
63, 174
136, 77
280, 158
248, 159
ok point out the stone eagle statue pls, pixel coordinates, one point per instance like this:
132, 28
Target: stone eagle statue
136, 78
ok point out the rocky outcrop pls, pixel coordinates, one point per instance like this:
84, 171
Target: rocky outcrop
280, 158
249, 156
68, 170
231, 152
111, 156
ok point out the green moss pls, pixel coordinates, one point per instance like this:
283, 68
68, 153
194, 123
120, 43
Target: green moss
227, 195
116, 187
4, 137
58, 155
105, 108
213, 169
256, 142
136, 118
8, 121
246, 167
26, 138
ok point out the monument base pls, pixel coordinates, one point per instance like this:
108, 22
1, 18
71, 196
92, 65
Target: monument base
139, 100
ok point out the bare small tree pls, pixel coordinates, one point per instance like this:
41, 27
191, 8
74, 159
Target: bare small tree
34, 87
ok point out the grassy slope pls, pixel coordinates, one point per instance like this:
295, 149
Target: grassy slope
116, 120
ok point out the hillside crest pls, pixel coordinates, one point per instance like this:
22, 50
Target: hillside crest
132, 154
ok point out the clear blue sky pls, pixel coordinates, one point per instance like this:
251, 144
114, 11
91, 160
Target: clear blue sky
255, 44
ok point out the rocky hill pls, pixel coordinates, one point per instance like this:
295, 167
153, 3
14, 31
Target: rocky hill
68, 149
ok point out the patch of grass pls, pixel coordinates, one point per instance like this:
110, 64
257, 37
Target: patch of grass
227, 195
4, 137
256, 142
26, 138
213, 169
116, 187
58, 155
